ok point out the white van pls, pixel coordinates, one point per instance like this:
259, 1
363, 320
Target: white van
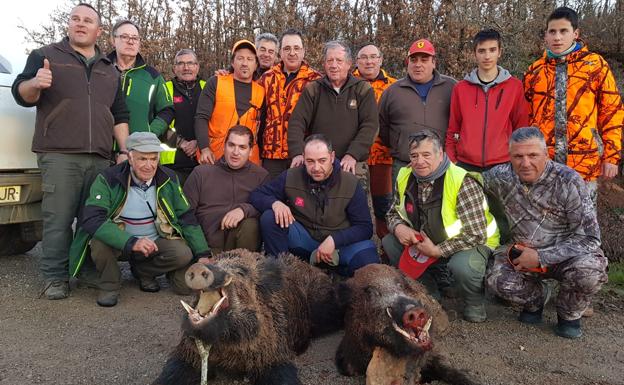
20, 179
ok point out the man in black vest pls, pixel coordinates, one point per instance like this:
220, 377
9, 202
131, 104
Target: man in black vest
318, 212
184, 90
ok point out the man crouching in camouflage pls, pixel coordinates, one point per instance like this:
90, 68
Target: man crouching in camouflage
554, 231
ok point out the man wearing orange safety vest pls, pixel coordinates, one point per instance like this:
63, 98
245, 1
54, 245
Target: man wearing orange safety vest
229, 100
369, 60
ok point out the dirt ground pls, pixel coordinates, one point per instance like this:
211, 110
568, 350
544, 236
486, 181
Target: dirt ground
74, 341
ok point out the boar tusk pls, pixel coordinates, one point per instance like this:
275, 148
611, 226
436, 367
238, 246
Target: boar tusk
427, 325
187, 307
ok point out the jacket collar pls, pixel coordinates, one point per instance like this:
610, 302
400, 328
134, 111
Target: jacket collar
64, 46
139, 62
351, 81
223, 164
382, 75
437, 80
122, 174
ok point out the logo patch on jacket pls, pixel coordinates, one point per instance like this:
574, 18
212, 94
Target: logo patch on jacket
299, 202
178, 99
409, 208
353, 104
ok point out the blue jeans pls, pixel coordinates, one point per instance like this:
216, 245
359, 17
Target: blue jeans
297, 240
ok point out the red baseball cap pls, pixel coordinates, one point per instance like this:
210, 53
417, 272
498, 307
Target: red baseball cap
414, 264
421, 46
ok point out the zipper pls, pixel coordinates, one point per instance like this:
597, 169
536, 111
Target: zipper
164, 202
484, 130
89, 110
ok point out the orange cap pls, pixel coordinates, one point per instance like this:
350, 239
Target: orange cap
244, 44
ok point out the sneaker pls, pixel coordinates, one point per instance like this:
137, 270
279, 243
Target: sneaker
107, 298
475, 313
56, 289
149, 285
568, 329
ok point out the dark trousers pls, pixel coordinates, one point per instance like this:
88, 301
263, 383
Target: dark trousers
245, 236
297, 240
173, 256
65, 181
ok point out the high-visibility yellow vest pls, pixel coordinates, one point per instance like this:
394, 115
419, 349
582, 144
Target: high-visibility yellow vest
168, 155
453, 179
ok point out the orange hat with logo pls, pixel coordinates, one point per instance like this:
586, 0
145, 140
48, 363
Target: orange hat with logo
421, 46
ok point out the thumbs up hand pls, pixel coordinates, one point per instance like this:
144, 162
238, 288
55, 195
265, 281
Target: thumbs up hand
44, 76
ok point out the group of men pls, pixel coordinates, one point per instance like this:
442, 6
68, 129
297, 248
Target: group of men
275, 153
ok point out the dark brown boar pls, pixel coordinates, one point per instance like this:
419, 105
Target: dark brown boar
256, 313
394, 316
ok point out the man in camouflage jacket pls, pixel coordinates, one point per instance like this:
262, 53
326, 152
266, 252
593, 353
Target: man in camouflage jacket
553, 222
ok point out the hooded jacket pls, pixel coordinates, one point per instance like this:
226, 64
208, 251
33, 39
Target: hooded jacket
483, 117
593, 109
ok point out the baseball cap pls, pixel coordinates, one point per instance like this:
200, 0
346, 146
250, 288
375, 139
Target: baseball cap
244, 44
143, 142
421, 46
414, 264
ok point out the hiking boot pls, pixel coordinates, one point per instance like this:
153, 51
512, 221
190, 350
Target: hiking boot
57, 289
535, 317
475, 313
149, 285
531, 317
568, 329
107, 298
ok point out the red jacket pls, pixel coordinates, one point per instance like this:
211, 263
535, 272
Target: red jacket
481, 122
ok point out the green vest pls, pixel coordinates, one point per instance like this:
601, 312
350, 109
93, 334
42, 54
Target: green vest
168, 155
453, 179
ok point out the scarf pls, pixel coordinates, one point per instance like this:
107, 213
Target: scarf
444, 165
575, 47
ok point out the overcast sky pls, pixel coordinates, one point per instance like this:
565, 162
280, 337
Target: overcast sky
28, 12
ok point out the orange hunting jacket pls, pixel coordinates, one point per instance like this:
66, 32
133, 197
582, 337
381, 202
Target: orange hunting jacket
379, 154
594, 109
280, 103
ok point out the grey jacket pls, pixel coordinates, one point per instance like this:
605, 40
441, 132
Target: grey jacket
555, 215
402, 112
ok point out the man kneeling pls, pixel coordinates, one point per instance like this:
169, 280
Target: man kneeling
440, 210
136, 211
317, 211
554, 231
218, 193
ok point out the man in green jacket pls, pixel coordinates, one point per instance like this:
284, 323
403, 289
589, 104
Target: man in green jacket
136, 211
149, 103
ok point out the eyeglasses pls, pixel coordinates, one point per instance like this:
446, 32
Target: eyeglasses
186, 63
295, 49
128, 38
371, 57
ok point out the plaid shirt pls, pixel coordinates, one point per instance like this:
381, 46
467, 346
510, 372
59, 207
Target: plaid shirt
469, 211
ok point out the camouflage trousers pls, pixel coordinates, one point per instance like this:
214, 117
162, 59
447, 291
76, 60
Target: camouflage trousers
361, 172
579, 279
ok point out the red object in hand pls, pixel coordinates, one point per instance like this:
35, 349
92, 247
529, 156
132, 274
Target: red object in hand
412, 263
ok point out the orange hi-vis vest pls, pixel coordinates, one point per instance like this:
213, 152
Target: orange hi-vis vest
224, 115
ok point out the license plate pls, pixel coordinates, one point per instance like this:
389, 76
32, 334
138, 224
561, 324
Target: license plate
10, 194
